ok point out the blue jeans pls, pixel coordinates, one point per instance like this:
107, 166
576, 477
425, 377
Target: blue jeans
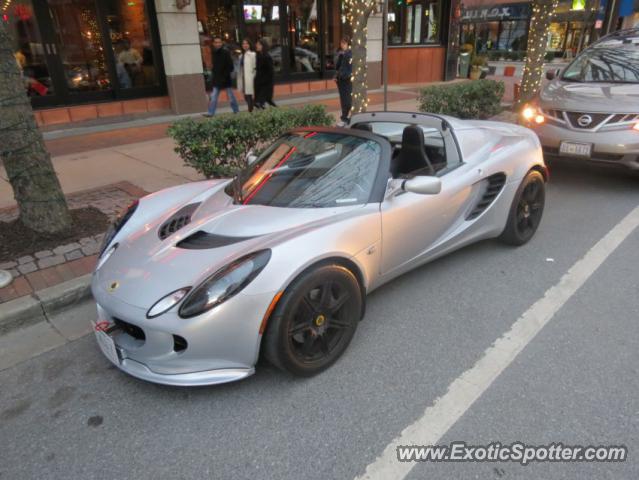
214, 96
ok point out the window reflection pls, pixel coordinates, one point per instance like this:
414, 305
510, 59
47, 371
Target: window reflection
80, 44
27, 47
132, 43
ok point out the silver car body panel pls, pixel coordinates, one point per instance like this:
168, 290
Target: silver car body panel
378, 240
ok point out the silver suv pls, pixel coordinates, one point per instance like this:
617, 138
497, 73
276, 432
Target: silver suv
590, 110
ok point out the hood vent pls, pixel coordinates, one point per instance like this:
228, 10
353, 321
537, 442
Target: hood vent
493, 184
203, 240
178, 220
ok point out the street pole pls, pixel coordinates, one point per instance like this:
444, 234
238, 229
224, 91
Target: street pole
385, 53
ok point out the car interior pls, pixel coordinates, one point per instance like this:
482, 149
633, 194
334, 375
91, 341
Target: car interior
416, 150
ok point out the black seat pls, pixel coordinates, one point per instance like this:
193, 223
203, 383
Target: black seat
412, 156
367, 127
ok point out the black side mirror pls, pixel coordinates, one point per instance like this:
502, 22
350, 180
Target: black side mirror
552, 74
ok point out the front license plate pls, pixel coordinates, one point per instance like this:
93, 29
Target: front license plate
107, 346
575, 149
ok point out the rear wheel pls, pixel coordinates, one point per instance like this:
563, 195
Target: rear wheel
314, 321
526, 210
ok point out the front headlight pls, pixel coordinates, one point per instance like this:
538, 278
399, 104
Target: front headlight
224, 283
532, 114
166, 303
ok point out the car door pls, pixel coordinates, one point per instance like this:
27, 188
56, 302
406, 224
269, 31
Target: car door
415, 225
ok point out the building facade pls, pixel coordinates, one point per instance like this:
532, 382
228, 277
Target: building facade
85, 59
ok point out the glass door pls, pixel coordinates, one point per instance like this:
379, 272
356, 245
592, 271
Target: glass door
33, 51
75, 51
79, 47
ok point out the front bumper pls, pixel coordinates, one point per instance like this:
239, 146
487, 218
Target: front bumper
610, 147
219, 346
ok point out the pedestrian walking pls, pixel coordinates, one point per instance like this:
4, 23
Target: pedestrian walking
246, 77
344, 68
222, 70
264, 75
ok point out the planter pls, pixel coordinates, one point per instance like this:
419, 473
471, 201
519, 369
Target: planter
475, 72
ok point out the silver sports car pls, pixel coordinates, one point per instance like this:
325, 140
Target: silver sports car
195, 282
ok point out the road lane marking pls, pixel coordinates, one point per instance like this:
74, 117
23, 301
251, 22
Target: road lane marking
470, 385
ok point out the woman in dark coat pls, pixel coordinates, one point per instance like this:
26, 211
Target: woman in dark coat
264, 76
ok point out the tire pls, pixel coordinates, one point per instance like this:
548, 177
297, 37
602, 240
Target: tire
314, 321
526, 210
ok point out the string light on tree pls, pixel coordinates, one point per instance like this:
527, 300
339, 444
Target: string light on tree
357, 14
542, 13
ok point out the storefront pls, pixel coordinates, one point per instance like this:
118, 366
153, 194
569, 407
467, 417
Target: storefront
85, 51
499, 29
303, 35
495, 30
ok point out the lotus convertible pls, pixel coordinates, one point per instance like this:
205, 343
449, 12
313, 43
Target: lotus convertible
195, 283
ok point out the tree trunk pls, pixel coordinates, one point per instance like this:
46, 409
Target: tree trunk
36, 188
358, 12
542, 11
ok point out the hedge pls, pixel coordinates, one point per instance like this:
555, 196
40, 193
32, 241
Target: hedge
475, 99
217, 147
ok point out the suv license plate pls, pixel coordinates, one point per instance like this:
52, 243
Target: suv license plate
575, 149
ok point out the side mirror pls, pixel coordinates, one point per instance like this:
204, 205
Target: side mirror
552, 74
423, 185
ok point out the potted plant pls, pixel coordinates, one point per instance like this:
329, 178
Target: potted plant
478, 66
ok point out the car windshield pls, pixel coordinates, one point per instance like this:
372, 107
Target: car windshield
618, 63
310, 170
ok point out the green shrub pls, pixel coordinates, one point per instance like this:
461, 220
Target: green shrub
476, 99
218, 146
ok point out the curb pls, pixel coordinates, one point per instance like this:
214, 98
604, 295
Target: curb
37, 307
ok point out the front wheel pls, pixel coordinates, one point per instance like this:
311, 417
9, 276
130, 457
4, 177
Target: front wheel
314, 321
526, 210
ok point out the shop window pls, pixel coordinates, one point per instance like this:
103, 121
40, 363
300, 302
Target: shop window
132, 43
219, 18
28, 47
334, 27
413, 22
79, 44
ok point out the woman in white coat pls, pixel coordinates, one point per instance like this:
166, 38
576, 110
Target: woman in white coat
246, 77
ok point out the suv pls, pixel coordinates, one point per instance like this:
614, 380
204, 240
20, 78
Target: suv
590, 110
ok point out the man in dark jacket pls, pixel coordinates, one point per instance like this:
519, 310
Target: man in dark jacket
222, 69
344, 67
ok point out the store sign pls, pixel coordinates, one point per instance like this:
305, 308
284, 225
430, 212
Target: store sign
502, 12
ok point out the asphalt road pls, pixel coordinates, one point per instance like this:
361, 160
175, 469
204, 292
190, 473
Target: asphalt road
68, 414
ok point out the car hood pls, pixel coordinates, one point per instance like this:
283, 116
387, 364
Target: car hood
146, 267
591, 97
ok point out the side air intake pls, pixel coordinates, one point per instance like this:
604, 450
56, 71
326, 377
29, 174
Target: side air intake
178, 220
493, 185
